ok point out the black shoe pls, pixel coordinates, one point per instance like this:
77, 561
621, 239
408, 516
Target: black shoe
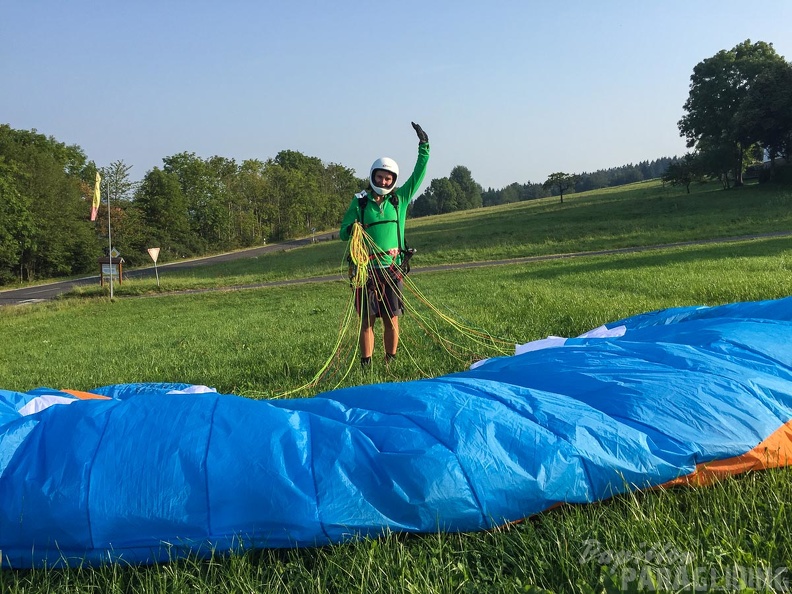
389, 357
365, 362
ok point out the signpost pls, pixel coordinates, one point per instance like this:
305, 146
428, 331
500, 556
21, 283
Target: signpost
154, 253
111, 268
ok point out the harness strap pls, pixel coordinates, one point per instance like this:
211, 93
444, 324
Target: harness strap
363, 201
380, 223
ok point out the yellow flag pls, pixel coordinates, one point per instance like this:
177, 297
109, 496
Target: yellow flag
97, 197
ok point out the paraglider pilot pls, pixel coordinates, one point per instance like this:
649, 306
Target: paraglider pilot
381, 210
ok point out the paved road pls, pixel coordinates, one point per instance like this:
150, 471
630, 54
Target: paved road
38, 293
52, 290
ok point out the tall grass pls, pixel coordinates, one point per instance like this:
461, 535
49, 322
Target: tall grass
265, 341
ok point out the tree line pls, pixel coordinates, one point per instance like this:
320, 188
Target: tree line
195, 206
582, 182
188, 207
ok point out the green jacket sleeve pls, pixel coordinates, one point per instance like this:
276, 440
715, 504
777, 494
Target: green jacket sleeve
410, 187
352, 215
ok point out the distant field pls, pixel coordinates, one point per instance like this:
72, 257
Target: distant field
640, 214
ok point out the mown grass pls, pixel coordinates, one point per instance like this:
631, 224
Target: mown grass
267, 341
262, 342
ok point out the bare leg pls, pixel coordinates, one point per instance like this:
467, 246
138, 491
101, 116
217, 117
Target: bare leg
391, 334
367, 337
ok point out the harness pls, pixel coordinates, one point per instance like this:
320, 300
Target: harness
363, 201
400, 268
405, 253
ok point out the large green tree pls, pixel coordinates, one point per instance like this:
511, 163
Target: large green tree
203, 192
459, 191
442, 196
765, 115
252, 222
307, 194
469, 191
339, 184
719, 87
44, 190
16, 225
164, 212
126, 223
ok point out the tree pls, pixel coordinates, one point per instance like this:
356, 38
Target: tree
446, 194
469, 192
459, 191
511, 193
295, 160
339, 183
43, 186
424, 205
16, 226
532, 191
309, 194
561, 182
718, 87
252, 219
164, 208
116, 181
204, 198
765, 116
126, 221
440, 197
716, 159
684, 171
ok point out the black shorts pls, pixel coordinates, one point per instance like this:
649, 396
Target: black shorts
382, 295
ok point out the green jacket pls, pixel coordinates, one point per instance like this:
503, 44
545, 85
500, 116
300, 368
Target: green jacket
385, 222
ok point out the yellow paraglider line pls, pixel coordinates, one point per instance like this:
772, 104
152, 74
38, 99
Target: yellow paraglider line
480, 344
480, 337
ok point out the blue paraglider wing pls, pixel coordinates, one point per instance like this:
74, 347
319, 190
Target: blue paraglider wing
151, 472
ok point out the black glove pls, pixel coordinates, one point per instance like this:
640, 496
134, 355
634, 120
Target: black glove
422, 136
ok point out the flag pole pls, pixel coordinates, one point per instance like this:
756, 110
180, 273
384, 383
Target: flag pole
109, 241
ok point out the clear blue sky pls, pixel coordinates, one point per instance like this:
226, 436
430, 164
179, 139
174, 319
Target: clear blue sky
513, 90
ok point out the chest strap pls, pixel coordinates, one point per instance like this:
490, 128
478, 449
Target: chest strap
363, 201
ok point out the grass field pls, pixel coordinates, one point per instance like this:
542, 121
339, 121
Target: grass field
263, 342
643, 214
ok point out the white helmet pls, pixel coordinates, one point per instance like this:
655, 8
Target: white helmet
386, 164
